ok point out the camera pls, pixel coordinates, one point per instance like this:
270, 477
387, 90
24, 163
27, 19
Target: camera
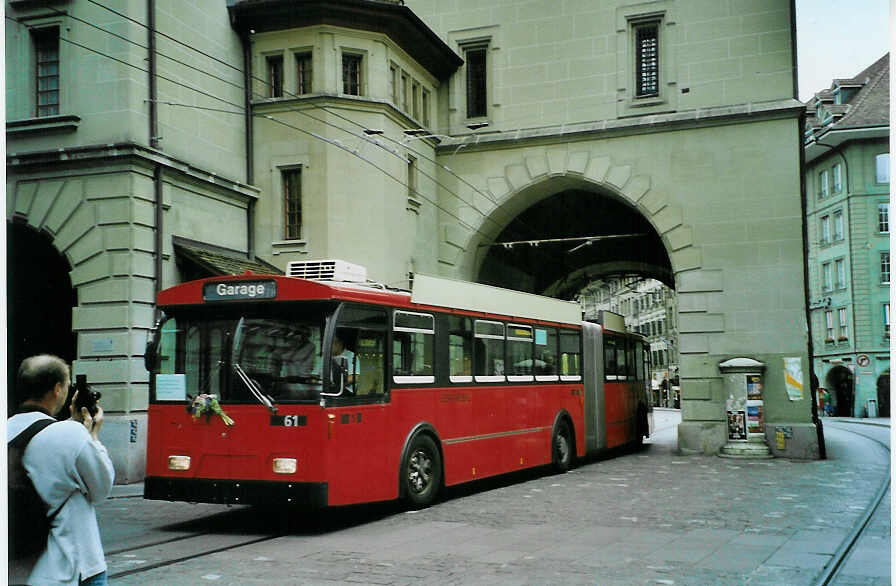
87, 397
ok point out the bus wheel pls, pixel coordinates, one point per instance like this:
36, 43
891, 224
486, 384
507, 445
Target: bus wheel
422, 471
561, 447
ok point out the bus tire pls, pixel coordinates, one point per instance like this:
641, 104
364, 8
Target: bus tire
422, 471
562, 446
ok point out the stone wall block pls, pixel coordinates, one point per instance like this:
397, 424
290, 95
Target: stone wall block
118, 237
103, 344
47, 195
61, 211
691, 302
448, 253
653, 201
667, 218
115, 211
578, 162
701, 322
82, 221
90, 245
686, 259
680, 237
104, 291
597, 169
100, 317
693, 344
144, 238
498, 187
143, 289
144, 213
692, 389
20, 201
557, 161
108, 185
619, 176
699, 280
454, 234
536, 167
637, 188
93, 269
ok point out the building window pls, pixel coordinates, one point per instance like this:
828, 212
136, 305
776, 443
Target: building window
838, 181
303, 73
647, 59
827, 282
844, 330
351, 74
838, 225
424, 105
292, 204
882, 168
885, 268
404, 93
393, 84
412, 178
476, 81
46, 49
883, 217
415, 100
824, 187
829, 326
825, 229
887, 320
275, 76
841, 273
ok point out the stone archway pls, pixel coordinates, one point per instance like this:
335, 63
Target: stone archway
40, 298
840, 382
883, 394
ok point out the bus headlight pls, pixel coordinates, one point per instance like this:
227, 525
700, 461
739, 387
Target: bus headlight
178, 462
284, 465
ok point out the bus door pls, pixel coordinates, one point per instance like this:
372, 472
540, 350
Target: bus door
358, 464
595, 430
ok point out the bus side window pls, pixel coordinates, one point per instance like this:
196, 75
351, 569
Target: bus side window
570, 355
520, 350
546, 347
489, 351
460, 349
363, 333
413, 344
610, 357
621, 364
638, 350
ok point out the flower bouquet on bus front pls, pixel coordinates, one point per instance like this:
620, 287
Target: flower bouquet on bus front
208, 405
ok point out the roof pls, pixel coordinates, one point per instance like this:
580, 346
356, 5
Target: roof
218, 261
868, 106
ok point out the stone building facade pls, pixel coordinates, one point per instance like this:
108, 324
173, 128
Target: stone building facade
152, 142
848, 185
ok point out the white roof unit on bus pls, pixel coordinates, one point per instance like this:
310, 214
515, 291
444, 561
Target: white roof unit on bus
428, 290
327, 270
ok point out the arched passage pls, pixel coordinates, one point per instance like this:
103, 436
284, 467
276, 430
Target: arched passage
548, 258
883, 394
40, 298
840, 384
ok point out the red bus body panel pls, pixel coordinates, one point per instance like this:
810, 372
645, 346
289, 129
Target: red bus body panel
356, 450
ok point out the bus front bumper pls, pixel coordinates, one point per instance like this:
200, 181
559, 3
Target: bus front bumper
235, 492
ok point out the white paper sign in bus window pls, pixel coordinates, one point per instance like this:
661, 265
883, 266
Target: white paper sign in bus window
171, 387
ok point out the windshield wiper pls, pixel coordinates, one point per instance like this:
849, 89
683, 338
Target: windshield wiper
254, 388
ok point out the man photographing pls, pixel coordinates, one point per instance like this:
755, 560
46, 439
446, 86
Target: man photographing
71, 472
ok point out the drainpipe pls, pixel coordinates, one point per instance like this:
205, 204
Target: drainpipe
250, 175
154, 139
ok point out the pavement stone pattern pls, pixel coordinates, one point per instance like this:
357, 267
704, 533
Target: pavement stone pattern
648, 517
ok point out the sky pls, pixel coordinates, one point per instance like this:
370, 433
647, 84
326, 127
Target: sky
838, 39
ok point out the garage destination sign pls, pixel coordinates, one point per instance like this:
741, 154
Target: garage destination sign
239, 291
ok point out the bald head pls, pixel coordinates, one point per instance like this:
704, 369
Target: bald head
38, 375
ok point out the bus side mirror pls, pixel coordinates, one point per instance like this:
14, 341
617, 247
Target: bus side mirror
151, 355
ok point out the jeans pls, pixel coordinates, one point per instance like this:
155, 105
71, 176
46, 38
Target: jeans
98, 580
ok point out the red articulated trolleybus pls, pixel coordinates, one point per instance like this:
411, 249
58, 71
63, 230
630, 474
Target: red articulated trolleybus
312, 389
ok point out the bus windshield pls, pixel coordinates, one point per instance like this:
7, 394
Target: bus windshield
247, 357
